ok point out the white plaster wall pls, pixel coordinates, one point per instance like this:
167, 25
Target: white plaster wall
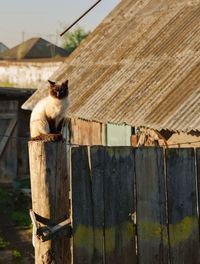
26, 74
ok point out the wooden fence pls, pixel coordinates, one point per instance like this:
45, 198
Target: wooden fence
112, 185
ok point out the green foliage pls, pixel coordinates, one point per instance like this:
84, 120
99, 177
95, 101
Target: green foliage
16, 254
3, 244
5, 202
31, 228
23, 183
21, 218
57, 56
17, 257
4, 196
72, 40
14, 205
20, 213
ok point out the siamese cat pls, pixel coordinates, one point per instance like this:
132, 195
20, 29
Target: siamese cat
49, 114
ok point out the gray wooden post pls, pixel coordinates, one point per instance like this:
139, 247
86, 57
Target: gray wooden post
50, 198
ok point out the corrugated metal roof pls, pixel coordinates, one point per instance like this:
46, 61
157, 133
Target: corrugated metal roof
141, 66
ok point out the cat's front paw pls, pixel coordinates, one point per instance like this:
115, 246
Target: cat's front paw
57, 137
48, 137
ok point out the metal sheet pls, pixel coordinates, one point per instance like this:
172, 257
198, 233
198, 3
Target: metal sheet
118, 135
139, 67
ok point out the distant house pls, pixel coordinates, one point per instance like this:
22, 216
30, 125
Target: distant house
139, 68
3, 47
32, 49
30, 63
14, 134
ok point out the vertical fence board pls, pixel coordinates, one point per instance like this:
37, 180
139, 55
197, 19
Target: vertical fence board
182, 206
119, 203
97, 165
198, 180
151, 206
82, 213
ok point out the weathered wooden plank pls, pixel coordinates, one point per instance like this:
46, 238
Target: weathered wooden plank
50, 198
82, 209
119, 205
7, 134
98, 165
7, 115
85, 132
198, 180
182, 206
8, 145
151, 206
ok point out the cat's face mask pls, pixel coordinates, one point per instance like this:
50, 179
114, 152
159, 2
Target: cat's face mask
59, 91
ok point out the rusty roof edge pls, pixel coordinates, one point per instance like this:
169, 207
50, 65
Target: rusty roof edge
149, 126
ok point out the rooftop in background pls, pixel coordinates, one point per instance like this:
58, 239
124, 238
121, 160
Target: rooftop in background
32, 49
13, 92
139, 67
3, 47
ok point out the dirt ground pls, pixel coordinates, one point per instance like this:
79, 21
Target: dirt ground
20, 239
15, 228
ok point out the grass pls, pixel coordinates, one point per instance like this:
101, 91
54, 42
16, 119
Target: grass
17, 257
4, 196
23, 183
15, 205
20, 218
3, 244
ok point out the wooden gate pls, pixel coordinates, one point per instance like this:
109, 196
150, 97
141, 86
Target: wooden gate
8, 142
111, 186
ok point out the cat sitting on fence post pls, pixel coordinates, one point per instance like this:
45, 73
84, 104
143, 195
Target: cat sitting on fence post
49, 114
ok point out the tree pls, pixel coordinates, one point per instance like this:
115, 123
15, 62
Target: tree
72, 40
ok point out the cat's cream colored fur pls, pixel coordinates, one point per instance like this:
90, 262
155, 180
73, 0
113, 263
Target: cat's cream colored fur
47, 108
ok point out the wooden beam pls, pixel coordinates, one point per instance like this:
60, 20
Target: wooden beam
50, 197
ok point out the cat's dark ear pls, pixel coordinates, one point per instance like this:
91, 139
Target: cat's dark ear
65, 83
51, 83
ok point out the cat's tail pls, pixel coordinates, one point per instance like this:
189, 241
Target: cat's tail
48, 137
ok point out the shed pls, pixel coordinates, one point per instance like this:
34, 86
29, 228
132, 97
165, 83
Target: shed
140, 67
14, 134
34, 48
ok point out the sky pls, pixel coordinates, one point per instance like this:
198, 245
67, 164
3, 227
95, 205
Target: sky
24, 19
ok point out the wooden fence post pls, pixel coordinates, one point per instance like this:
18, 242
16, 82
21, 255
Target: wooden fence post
50, 197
